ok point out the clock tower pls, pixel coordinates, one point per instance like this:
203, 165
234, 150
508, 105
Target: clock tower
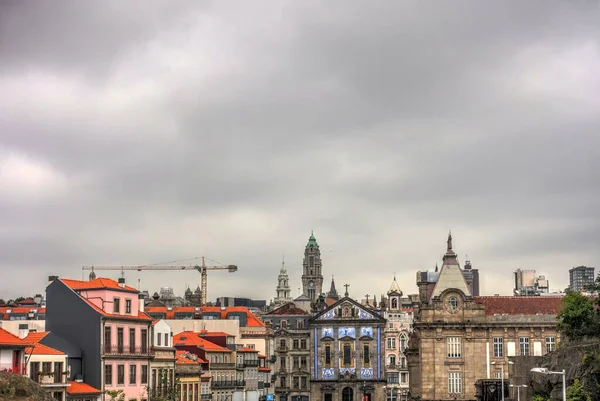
312, 277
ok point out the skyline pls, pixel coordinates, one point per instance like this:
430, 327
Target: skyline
140, 132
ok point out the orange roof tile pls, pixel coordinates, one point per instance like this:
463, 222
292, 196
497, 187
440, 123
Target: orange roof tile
262, 356
97, 284
252, 319
214, 333
182, 359
512, 305
41, 349
190, 338
7, 338
35, 336
81, 388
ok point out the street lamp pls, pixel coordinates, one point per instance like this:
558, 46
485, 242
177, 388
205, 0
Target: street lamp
502, 363
548, 372
518, 386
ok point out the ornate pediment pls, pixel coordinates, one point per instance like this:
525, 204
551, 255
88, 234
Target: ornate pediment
347, 309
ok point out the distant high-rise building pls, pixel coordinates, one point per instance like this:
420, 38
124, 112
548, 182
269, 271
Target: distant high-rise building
580, 277
528, 283
472, 278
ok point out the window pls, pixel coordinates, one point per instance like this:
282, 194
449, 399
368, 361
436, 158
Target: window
347, 355
498, 347
303, 362
303, 382
497, 375
550, 344
296, 382
311, 261
296, 344
454, 383
159, 339
166, 339
282, 363
328, 355
392, 378
402, 362
282, 381
366, 355
302, 344
284, 324
120, 340
128, 306
132, 341
392, 360
108, 374
46, 367
132, 374
523, 345
394, 303
403, 343
453, 303
454, 347
144, 374
403, 377
116, 305
58, 369
120, 374
300, 324
107, 338
34, 371
391, 343
296, 362
144, 340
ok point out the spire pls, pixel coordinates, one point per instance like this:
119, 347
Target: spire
395, 288
333, 294
449, 250
312, 240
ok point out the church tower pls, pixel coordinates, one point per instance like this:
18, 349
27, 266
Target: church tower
283, 287
312, 278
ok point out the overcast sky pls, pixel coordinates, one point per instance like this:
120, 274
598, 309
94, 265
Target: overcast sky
139, 132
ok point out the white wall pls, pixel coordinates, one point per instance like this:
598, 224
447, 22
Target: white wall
12, 326
228, 326
159, 330
6, 356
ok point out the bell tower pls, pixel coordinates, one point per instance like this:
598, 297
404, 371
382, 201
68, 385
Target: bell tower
312, 277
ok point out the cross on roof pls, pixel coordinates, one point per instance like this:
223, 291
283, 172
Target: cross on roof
346, 285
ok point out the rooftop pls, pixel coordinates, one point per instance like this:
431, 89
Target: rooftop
81, 388
9, 339
190, 338
511, 305
169, 312
97, 284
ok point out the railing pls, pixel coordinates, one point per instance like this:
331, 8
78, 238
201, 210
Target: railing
282, 348
222, 365
125, 350
8, 367
206, 396
251, 362
227, 383
51, 379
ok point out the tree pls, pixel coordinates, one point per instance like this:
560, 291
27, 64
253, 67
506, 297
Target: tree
578, 318
19, 299
539, 397
578, 393
2, 302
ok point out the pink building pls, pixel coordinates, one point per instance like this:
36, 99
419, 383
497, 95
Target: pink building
106, 320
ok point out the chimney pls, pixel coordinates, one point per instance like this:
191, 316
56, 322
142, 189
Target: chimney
23, 331
122, 282
141, 301
52, 278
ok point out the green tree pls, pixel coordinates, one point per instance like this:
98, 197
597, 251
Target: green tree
578, 393
578, 317
2, 302
19, 299
539, 397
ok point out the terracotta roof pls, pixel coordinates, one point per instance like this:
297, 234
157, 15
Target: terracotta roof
252, 319
512, 305
246, 349
81, 388
7, 338
41, 349
287, 309
26, 301
190, 338
262, 356
182, 359
97, 284
207, 333
35, 336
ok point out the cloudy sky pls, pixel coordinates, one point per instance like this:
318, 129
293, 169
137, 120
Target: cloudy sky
147, 131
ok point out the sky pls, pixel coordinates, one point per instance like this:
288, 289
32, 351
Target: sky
143, 132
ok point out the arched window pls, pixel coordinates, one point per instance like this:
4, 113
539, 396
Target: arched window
403, 342
394, 303
392, 360
347, 394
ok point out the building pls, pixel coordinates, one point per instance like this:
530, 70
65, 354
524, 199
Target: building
346, 351
79, 391
284, 293
247, 367
47, 366
472, 278
291, 375
528, 283
106, 321
162, 365
188, 370
264, 378
12, 353
458, 339
255, 305
312, 277
581, 277
398, 329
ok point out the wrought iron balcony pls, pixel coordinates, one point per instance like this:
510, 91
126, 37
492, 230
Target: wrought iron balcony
119, 349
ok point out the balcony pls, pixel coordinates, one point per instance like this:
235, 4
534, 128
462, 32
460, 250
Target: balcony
122, 350
227, 383
282, 348
8, 367
252, 363
222, 365
52, 379
206, 396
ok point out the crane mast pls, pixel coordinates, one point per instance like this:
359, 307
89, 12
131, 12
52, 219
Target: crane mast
202, 269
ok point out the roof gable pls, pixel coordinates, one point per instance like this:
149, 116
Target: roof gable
9, 339
287, 309
347, 309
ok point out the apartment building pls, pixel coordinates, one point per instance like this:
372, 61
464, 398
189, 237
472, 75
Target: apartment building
188, 370
162, 365
264, 377
106, 320
47, 366
12, 353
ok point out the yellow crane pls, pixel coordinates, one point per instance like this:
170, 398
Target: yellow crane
202, 268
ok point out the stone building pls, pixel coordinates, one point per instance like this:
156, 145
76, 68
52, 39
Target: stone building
399, 316
283, 287
458, 339
312, 277
346, 351
291, 374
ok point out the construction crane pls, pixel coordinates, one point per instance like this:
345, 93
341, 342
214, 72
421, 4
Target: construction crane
202, 268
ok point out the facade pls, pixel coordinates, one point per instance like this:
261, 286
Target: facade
291, 374
264, 378
528, 283
47, 366
458, 339
162, 365
247, 367
284, 293
472, 278
188, 370
581, 277
312, 277
106, 321
346, 351
397, 333
12, 353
